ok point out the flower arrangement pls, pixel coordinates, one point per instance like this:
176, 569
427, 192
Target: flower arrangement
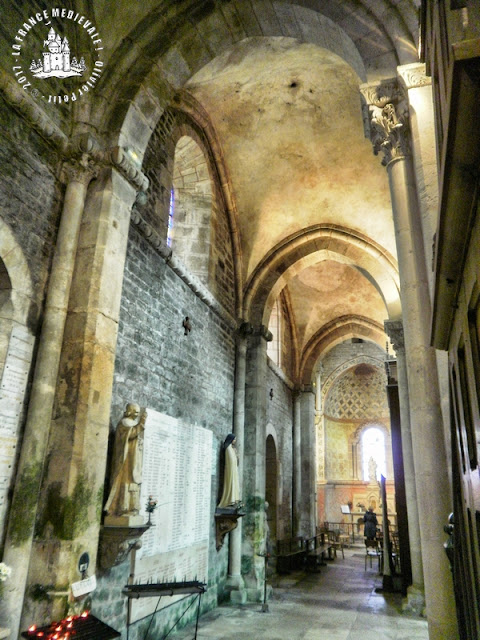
150, 507
5, 573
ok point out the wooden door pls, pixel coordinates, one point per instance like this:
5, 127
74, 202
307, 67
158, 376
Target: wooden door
465, 434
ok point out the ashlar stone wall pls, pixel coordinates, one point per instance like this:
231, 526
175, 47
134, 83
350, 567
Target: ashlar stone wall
279, 424
188, 375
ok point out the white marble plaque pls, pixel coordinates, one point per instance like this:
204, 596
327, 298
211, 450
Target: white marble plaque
12, 391
177, 460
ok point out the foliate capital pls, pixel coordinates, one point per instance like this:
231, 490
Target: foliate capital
387, 120
82, 168
413, 76
394, 330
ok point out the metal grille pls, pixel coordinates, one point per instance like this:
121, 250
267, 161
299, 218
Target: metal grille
83, 627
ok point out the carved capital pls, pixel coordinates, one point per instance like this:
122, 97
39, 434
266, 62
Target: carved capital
80, 169
263, 332
245, 329
394, 330
413, 75
387, 119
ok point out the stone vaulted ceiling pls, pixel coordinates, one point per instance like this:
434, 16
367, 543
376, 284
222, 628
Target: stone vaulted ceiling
278, 83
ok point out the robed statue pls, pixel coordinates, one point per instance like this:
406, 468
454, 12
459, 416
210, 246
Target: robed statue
231, 485
124, 497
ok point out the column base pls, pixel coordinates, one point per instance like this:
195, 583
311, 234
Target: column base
239, 596
414, 603
236, 587
257, 595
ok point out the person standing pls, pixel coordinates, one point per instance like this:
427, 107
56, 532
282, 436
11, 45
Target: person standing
371, 523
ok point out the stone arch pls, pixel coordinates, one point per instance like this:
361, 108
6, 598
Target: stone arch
272, 432
137, 75
192, 123
18, 312
16, 278
323, 241
272, 483
334, 333
348, 364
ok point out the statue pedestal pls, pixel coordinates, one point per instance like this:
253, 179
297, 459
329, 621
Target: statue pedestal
116, 541
124, 521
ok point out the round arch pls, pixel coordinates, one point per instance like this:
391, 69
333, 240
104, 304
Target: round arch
18, 273
334, 333
323, 241
356, 448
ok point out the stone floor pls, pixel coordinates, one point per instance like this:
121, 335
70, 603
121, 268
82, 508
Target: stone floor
339, 603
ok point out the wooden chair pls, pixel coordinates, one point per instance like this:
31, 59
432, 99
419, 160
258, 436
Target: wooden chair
396, 551
335, 542
373, 550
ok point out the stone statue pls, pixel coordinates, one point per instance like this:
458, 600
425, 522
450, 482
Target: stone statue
124, 498
231, 485
372, 470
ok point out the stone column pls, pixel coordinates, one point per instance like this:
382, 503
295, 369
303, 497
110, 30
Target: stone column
297, 465
416, 592
307, 456
254, 462
23, 510
71, 499
418, 90
235, 583
389, 130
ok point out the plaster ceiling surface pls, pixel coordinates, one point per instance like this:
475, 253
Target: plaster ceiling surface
288, 116
328, 290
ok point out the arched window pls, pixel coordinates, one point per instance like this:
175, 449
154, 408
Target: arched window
171, 210
274, 348
191, 207
373, 449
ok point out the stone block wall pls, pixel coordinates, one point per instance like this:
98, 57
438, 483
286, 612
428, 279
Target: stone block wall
202, 223
185, 376
30, 196
30, 206
279, 422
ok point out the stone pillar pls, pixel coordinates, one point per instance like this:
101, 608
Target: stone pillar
389, 131
235, 583
297, 465
253, 565
71, 500
418, 90
416, 592
23, 510
307, 501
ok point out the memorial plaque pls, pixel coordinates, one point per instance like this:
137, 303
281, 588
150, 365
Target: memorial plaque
177, 460
12, 392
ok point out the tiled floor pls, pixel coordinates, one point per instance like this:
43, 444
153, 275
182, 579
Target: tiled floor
340, 603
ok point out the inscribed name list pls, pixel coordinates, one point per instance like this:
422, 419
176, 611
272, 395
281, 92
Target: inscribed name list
177, 460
